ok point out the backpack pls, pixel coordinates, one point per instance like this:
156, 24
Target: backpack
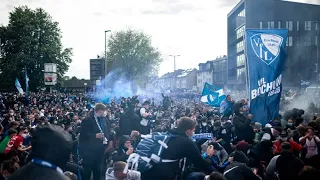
149, 152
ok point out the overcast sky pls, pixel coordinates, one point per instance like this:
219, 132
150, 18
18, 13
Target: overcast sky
196, 29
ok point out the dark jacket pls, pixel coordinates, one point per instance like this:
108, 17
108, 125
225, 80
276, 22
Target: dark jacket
287, 165
35, 172
128, 122
242, 126
261, 152
203, 129
179, 147
239, 171
90, 146
120, 154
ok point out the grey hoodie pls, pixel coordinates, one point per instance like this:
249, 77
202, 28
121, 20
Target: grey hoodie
132, 175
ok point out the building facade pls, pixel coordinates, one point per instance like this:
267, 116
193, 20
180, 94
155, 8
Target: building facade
220, 74
97, 69
204, 74
302, 21
186, 80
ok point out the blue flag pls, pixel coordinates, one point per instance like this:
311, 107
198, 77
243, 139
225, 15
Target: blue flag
27, 82
265, 60
212, 95
18, 86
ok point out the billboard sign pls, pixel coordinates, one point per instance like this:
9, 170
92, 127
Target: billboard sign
50, 79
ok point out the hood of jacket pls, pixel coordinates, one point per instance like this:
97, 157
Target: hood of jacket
177, 132
110, 174
236, 108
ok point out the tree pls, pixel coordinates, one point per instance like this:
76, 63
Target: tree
131, 54
31, 39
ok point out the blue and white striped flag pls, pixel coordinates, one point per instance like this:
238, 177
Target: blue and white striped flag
18, 86
212, 95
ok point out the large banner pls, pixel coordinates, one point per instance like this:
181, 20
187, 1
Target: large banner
265, 62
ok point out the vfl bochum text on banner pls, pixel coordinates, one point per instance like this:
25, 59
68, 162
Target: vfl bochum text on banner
265, 60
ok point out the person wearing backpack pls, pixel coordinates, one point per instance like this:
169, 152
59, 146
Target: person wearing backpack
180, 148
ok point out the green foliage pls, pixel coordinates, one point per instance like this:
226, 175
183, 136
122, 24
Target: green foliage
31, 39
131, 54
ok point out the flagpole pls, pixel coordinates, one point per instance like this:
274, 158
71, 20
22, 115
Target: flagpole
27, 89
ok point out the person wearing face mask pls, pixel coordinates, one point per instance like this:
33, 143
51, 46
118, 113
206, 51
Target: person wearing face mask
16, 142
242, 124
124, 150
179, 147
203, 127
284, 138
94, 139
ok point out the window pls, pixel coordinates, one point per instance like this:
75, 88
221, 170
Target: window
240, 46
316, 41
272, 24
93, 73
93, 67
290, 25
316, 26
269, 24
307, 25
297, 41
307, 41
240, 60
240, 32
290, 41
242, 13
287, 42
279, 24
287, 24
298, 25
260, 25
241, 73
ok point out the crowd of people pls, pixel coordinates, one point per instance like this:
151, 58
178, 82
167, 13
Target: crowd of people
70, 136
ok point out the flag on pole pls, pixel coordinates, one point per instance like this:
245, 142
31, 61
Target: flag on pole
18, 86
212, 95
27, 82
265, 60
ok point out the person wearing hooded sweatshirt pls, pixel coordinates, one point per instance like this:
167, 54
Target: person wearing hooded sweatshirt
238, 169
215, 160
242, 124
51, 148
179, 147
286, 164
124, 150
116, 172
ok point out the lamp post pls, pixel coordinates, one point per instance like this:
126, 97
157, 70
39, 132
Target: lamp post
174, 61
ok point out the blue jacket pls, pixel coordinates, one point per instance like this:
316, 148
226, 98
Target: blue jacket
215, 163
226, 108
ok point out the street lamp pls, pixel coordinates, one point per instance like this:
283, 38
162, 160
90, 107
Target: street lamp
174, 61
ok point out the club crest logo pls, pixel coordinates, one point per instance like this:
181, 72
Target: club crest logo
213, 98
266, 46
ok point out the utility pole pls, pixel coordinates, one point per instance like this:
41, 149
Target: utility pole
174, 61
